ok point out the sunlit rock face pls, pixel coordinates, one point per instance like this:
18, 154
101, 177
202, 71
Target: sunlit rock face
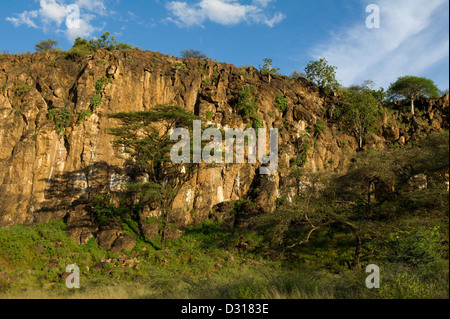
46, 172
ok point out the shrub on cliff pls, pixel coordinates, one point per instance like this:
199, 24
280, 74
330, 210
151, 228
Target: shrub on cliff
106, 41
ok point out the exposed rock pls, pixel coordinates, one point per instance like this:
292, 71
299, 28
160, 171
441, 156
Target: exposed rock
99, 266
48, 175
123, 244
81, 226
223, 212
150, 230
108, 234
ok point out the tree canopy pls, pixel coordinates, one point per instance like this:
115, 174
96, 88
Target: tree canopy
105, 41
46, 45
413, 87
358, 111
145, 140
322, 74
191, 53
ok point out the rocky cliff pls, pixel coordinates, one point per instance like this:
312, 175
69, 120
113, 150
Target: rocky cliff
56, 153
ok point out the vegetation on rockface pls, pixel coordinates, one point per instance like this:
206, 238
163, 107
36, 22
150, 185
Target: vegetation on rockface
281, 103
96, 99
246, 104
61, 117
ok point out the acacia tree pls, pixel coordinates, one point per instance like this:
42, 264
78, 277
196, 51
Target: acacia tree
413, 87
358, 111
322, 74
46, 45
145, 138
191, 53
315, 207
355, 201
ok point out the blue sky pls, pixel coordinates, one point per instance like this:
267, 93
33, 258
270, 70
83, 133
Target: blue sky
413, 38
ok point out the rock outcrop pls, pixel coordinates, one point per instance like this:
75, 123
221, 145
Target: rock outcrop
50, 170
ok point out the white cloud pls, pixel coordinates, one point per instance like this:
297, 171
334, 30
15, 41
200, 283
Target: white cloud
52, 17
224, 12
410, 41
52, 12
24, 18
84, 30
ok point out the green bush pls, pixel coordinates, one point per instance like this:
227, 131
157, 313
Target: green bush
209, 115
106, 41
281, 103
83, 114
104, 209
419, 246
320, 127
96, 100
23, 88
61, 117
246, 104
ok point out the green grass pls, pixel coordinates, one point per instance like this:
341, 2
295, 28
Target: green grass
205, 263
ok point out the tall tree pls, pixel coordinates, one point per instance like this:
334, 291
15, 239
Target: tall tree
145, 139
413, 87
358, 111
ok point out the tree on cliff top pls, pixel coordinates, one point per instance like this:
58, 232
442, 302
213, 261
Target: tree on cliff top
322, 74
413, 87
191, 53
145, 140
268, 69
46, 45
105, 41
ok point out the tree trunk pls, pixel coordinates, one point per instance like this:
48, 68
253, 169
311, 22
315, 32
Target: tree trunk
412, 106
163, 230
356, 262
163, 239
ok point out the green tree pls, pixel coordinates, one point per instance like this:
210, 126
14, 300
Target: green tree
358, 111
191, 53
108, 42
46, 45
145, 137
322, 74
268, 69
413, 87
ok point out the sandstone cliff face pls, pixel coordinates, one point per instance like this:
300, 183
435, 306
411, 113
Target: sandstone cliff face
46, 174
